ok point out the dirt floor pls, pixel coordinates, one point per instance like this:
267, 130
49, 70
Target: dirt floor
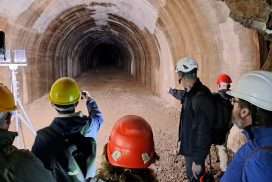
118, 95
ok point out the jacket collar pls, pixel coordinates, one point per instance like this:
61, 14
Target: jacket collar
195, 87
74, 114
67, 124
6, 138
224, 95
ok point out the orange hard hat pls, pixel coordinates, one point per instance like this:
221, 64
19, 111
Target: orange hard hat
131, 143
224, 78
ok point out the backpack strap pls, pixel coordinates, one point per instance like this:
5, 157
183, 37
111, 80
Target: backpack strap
75, 146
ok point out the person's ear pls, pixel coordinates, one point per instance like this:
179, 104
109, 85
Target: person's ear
244, 113
228, 87
179, 80
8, 121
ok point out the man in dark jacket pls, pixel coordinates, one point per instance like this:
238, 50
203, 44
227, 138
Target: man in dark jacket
197, 116
68, 146
16, 164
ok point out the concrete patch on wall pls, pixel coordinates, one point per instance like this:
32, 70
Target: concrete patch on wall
228, 44
13, 8
52, 11
141, 13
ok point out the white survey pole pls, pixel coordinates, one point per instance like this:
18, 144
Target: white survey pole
13, 62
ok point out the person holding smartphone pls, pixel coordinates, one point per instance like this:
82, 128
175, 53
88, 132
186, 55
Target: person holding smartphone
67, 146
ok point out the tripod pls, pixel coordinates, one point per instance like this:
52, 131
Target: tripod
19, 115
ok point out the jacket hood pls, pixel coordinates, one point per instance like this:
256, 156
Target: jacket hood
6, 138
67, 124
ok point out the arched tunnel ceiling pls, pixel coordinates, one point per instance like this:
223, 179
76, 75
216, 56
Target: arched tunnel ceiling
152, 35
131, 10
74, 29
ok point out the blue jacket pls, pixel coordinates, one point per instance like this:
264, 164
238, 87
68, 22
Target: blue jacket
251, 163
96, 120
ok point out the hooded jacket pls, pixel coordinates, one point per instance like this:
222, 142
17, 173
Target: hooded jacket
19, 165
55, 145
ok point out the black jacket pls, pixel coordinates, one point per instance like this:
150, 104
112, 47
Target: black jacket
19, 165
196, 119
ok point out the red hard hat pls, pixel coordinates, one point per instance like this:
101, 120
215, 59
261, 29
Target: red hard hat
131, 143
224, 78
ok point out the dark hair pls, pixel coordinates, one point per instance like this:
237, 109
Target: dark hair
66, 109
192, 75
228, 86
260, 117
111, 173
6, 116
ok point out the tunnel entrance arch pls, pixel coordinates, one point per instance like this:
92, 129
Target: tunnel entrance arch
74, 43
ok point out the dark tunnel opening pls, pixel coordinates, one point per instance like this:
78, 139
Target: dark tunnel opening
105, 52
107, 55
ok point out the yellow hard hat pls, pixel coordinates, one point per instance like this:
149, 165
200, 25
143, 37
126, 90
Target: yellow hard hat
64, 91
7, 102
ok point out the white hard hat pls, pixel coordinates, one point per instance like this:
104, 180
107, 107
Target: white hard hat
256, 88
186, 65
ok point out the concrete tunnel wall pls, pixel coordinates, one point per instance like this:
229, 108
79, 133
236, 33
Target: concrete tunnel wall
151, 35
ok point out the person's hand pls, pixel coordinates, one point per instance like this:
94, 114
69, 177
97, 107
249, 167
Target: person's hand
172, 91
177, 149
196, 169
179, 80
85, 95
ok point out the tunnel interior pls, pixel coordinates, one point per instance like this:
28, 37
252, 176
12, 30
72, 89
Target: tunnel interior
106, 51
142, 38
106, 55
76, 43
